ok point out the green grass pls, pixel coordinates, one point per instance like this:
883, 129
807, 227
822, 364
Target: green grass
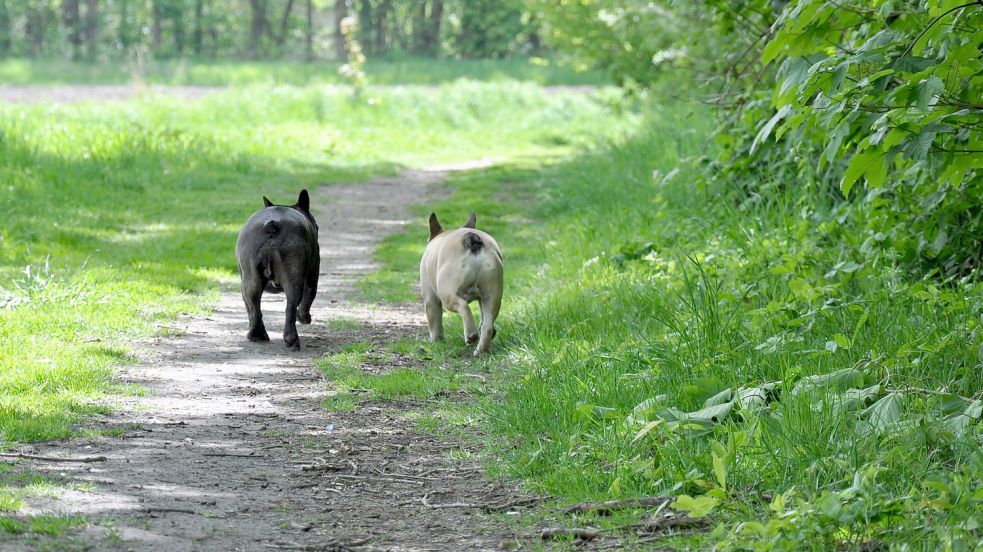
639, 293
45, 524
363, 372
385, 71
119, 217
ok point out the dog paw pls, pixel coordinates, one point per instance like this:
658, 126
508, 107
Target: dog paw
473, 338
304, 317
257, 336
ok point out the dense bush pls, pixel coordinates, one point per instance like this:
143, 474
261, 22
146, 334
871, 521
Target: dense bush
877, 103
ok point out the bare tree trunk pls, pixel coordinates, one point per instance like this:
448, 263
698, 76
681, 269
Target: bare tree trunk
155, 26
196, 38
432, 44
177, 18
282, 37
71, 19
309, 39
37, 28
123, 31
258, 26
340, 12
4, 28
382, 14
92, 28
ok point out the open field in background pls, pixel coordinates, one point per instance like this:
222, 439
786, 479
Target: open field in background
118, 217
664, 335
380, 71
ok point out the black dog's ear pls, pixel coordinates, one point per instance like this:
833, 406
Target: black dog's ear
435, 228
267, 202
471, 221
304, 201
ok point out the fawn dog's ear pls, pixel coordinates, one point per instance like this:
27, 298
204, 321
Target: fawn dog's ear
471, 221
435, 228
267, 202
304, 201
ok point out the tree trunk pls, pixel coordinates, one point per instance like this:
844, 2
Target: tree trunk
282, 37
5, 41
92, 28
432, 44
340, 12
123, 31
177, 19
155, 25
258, 26
36, 28
71, 19
309, 39
380, 25
366, 25
196, 38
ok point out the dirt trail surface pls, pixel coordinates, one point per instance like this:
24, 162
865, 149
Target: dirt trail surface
230, 449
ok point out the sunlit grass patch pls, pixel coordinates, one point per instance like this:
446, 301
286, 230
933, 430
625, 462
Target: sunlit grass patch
120, 217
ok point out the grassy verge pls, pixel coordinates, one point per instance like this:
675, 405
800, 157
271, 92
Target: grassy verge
119, 217
666, 335
396, 71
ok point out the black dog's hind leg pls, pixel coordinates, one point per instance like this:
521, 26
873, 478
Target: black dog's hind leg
310, 290
294, 290
252, 294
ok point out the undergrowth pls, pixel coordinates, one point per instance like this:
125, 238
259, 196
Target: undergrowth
666, 335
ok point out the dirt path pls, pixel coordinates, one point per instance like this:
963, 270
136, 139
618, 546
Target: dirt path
230, 449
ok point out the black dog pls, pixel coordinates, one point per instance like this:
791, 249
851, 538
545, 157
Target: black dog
277, 251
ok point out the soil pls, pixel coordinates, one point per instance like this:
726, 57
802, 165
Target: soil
230, 448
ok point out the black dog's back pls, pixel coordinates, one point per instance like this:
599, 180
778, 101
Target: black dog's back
277, 251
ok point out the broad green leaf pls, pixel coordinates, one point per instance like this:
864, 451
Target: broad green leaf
927, 89
719, 398
695, 507
912, 64
884, 412
839, 380
715, 413
766, 130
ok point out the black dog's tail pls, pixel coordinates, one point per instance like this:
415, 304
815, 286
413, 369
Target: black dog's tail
473, 243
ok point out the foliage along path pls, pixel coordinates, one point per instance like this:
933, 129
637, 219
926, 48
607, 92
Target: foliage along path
231, 449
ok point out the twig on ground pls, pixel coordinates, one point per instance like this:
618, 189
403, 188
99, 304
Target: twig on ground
81, 459
164, 509
232, 454
490, 508
319, 547
605, 508
581, 533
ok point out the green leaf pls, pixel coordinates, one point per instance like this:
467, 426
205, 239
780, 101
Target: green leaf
715, 413
695, 507
839, 380
912, 64
766, 130
884, 412
719, 471
927, 89
719, 398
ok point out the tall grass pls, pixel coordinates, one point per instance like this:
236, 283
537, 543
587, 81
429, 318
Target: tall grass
666, 334
117, 217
